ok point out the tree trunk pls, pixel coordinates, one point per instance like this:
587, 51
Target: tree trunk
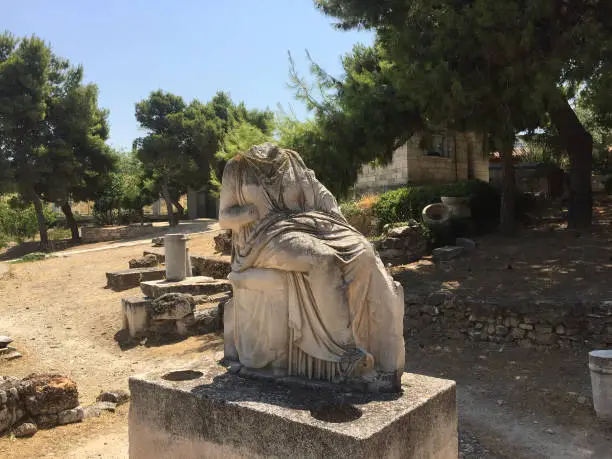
179, 208
70, 221
166, 195
579, 144
507, 223
42, 224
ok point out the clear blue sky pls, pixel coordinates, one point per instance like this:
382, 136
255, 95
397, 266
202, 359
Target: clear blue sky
189, 47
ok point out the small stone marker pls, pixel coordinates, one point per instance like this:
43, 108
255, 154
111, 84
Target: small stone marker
27, 429
5, 341
446, 253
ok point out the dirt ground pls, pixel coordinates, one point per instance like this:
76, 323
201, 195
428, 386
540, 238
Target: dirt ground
513, 403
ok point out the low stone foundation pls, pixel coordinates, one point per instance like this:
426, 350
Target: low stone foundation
130, 278
197, 285
205, 412
215, 267
113, 233
540, 322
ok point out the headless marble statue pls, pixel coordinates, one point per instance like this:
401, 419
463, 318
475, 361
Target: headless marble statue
344, 311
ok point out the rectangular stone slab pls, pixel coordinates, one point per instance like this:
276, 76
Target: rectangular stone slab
219, 415
130, 278
197, 285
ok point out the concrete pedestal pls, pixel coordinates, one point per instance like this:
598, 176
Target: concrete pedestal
205, 412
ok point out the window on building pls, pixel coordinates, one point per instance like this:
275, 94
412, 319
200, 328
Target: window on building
441, 145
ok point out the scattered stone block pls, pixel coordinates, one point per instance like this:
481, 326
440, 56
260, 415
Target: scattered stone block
251, 418
158, 241
5, 341
27, 429
106, 406
136, 315
446, 253
118, 397
223, 242
9, 353
49, 394
70, 416
467, 244
172, 306
130, 278
216, 268
146, 261
91, 411
197, 285
161, 257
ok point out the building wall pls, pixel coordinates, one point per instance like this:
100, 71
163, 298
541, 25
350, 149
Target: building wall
393, 175
410, 164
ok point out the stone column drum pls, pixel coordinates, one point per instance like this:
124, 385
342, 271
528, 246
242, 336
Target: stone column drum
175, 246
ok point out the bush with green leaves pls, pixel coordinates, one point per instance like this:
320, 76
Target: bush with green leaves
407, 203
18, 222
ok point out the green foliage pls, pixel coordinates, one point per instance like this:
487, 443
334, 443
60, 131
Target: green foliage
18, 221
357, 120
407, 203
125, 192
350, 209
34, 256
52, 132
187, 145
498, 67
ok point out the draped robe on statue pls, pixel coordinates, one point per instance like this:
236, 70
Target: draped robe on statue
344, 310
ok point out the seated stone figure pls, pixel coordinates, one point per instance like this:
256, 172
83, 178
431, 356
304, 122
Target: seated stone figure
311, 297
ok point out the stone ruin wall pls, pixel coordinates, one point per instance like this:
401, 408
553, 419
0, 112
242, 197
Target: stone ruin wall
113, 233
538, 323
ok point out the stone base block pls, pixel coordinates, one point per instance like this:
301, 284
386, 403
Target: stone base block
130, 278
197, 285
136, 315
205, 412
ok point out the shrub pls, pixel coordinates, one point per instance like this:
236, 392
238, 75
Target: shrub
360, 214
19, 222
408, 203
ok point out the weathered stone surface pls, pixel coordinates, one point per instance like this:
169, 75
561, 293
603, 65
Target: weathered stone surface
446, 253
402, 243
136, 315
161, 257
207, 320
91, 411
250, 418
119, 397
197, 285
130, 278
223, 242
49, 394
216, 268
27, 429
46, 421
9, 353
146, 261
70, 416
5, 341
157, 241
172, 306
106, 406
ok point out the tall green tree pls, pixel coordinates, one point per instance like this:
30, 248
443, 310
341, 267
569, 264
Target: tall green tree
25, 66
545, 49
52, 132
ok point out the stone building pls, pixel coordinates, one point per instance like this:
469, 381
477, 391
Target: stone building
452, 156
